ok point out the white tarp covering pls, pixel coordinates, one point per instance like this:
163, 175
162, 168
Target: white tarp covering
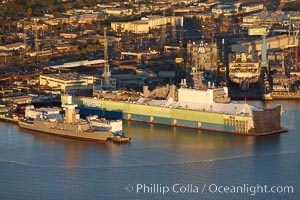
225, 108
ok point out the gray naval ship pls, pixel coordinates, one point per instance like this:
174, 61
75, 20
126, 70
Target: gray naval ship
70, 127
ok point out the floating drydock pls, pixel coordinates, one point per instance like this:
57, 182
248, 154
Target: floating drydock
201, 109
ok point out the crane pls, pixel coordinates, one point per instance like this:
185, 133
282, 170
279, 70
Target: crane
263, 32
295, 32
106, 74
264, 62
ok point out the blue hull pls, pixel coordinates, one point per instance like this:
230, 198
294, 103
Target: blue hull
85, 111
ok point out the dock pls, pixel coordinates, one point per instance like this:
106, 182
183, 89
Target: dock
285, 95
8, 119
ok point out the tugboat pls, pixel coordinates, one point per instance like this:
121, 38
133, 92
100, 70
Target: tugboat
120, 138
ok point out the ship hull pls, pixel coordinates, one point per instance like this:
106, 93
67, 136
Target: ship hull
44, 127
240, 81
168, 121
206, 126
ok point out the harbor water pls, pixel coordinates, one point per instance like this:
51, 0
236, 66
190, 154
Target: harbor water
161, 162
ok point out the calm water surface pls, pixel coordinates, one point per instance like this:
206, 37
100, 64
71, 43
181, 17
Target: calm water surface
48, 167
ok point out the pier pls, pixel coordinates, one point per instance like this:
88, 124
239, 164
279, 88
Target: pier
8, 119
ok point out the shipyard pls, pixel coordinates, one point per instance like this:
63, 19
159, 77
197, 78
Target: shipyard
144, 99
237, 51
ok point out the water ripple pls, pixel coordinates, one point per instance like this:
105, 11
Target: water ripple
12, 162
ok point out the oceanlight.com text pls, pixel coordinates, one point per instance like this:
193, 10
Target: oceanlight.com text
248, 189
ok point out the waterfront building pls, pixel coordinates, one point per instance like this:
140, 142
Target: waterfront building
68, 82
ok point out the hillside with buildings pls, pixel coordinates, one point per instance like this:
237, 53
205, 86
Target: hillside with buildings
128, 44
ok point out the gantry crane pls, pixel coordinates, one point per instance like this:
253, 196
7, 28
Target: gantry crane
294, 30
264, 62
263, 32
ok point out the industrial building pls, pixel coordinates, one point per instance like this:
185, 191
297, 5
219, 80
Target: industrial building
226, 10
77, 64
68, 82
147, 23
268, 19
275, 42
118, 11
251, 7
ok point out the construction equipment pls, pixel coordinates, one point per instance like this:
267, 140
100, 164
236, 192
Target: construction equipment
106, 74
264, 63
263, 32
294, 30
